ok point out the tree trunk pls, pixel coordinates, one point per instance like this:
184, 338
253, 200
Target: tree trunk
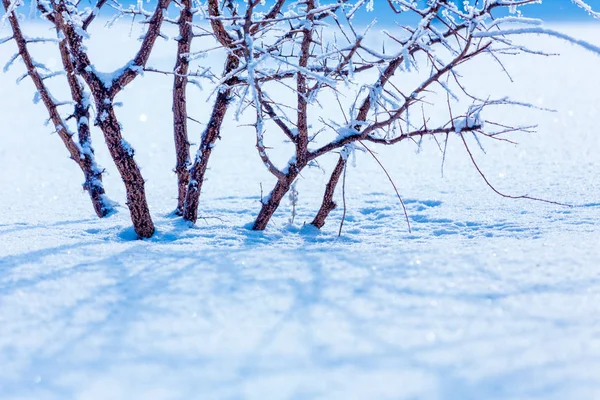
328, 204
270, 204
122, 154
180, 80
81, 114
93, 174
210, 135
83, 154
93, 185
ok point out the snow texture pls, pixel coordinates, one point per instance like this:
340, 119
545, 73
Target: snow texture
487, 298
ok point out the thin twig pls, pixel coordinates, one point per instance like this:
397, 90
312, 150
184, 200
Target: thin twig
487, 182
393, 184
343, 200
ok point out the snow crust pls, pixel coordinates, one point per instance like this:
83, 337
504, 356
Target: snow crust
487, 298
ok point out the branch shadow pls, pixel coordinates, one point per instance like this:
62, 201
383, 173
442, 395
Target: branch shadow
284, 315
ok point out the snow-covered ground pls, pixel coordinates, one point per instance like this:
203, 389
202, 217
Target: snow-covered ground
487, 298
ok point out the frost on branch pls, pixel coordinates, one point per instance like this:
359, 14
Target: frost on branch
315, 83
82, 151
322, 59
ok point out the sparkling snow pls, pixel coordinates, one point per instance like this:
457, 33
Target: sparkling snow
487, 298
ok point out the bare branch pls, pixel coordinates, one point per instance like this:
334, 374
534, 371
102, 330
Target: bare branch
180, 111
93, 14
487, 182
81, 153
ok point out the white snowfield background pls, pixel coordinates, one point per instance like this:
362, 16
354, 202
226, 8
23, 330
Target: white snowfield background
486, 298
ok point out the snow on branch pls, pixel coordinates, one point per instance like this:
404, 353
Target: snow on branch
581, 4
387, 110
81, 152
538, 31
312, 80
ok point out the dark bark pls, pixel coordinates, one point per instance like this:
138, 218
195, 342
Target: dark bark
209, 136
213, 129
180, 128
198, 170
328, 204
104, 94
81, 114
83, 154
284, 181
270, 204
93, 14
143, 54
302, 88
122, 155
218, 28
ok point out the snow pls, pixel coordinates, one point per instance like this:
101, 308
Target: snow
487, 298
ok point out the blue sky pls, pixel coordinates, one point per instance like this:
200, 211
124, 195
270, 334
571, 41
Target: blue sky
550, 10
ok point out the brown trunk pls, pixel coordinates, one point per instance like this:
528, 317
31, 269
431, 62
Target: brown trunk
182, 145
122, 154
302, 87
93, 174
81, 113
83, 154
270, 205
328, 204
104, 94
210, 135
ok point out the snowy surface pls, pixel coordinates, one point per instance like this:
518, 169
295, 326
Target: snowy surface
487, 298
